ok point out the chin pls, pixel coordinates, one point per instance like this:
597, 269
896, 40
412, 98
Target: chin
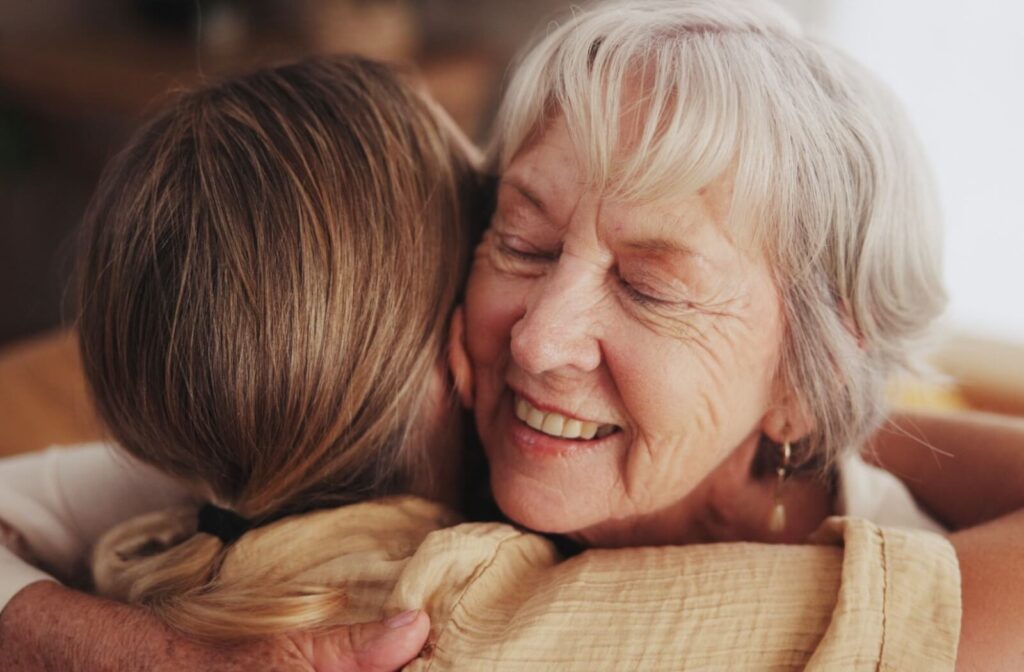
535, 508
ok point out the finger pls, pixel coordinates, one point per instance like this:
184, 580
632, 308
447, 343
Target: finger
374, 647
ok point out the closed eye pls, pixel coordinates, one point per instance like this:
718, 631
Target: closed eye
515, 247
638, 292
637, 296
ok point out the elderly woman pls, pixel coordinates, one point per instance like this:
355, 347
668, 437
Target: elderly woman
713, 244
714, 241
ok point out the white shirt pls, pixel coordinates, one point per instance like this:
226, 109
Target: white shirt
867, 492
56, 504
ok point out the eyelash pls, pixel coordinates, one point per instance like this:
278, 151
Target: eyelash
635, 295
529, 257
639, 297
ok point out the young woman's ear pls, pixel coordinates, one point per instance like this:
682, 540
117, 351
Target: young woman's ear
458, 360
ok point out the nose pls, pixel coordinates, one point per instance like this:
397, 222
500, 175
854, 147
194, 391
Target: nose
556, 333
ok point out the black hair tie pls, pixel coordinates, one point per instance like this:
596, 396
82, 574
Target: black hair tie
226, 525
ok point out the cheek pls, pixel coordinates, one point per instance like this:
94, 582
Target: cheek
693, 400
494, 304
673, 395
674, 386
492, 308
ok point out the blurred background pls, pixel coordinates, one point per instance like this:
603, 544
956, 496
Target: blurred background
76, 76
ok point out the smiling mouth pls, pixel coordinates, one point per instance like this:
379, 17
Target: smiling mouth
558, 425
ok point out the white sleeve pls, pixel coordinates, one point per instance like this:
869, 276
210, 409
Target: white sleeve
55, 505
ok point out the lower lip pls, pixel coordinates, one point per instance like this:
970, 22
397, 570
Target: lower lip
533, 443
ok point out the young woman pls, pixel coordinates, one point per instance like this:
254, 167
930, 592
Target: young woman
267, 275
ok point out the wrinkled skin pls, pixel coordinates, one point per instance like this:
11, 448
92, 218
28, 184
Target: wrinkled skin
646, 316
49, 627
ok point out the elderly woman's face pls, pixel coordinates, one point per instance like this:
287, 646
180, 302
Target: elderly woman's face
619, 352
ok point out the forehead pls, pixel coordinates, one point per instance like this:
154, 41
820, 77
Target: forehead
548, 163
548, 175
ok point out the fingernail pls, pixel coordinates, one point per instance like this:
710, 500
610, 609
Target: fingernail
403, 619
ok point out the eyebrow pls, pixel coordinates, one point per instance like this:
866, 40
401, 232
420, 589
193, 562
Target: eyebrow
658, 245
527, 193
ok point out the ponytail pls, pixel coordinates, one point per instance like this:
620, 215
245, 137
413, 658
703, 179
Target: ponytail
160, 561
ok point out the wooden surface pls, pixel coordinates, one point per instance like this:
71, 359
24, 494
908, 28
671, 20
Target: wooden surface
43, 400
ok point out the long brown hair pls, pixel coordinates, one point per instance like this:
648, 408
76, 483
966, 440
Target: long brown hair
266, 275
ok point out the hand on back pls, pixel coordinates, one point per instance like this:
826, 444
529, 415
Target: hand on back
47, 626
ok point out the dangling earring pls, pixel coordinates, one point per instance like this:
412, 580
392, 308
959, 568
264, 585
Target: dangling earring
777, 521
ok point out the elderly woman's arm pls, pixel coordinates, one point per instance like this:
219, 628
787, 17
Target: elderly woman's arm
49, 627
965, 468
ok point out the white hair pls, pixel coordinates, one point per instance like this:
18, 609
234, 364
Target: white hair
665, 97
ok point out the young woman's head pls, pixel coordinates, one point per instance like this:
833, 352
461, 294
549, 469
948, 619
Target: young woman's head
266, 278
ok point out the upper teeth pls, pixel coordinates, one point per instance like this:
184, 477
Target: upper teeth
558, 425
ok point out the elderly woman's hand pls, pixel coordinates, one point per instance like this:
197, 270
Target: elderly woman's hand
47, 626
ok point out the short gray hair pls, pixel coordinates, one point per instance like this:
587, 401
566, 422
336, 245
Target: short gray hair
829, 179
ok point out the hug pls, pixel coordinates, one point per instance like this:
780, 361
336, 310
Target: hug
659, 339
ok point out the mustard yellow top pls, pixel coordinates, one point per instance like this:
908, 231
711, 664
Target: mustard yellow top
857, 597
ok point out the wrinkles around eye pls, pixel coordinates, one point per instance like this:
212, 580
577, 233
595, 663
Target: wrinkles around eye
516, 255
685, 320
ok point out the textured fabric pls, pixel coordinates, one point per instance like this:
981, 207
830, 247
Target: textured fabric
860, 597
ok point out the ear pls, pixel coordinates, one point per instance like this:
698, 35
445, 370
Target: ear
458, 359
787, 419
